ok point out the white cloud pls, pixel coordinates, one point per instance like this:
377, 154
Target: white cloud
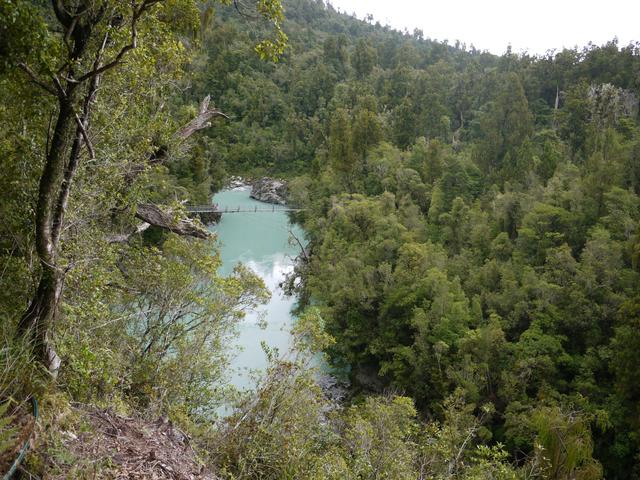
494, 24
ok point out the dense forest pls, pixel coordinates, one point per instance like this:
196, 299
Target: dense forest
472, 273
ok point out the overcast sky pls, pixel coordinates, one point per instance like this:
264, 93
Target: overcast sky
493, 24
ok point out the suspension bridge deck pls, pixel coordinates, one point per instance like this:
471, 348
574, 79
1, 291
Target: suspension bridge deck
227, 209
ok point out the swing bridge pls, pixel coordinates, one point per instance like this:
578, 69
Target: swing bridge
216, 209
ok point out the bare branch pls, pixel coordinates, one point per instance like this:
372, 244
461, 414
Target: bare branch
137, 13
201, 120
67, 35
124, 237
80, 138
238, 8
93, 89
114, 62
62, 93
85, 137
303, 251
34, 78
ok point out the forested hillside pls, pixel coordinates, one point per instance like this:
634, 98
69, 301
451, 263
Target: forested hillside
474, 219
473, 262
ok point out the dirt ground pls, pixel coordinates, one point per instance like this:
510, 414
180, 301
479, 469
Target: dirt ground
117, 447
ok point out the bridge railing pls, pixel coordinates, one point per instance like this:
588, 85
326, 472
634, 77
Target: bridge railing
240, 209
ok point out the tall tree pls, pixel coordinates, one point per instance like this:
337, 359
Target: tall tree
92, 39
363, 59
504, 127
341, 154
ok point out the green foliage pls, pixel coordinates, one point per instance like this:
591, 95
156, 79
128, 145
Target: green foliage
486, 240
160, 339
566, 444
290, 429
474, 227
137, 323
20, 379
504, 128
25, 36
364, 58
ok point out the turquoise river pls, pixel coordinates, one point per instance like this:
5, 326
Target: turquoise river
261, 242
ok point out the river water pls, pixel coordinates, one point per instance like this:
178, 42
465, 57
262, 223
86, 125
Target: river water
261, 242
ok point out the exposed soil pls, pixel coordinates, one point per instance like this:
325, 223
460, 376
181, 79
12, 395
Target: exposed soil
118, 447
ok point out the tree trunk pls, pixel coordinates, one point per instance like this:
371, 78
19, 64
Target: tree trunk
36, 322
79, 22
63, 156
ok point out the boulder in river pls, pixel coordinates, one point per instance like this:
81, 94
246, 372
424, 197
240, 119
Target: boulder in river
236, 182
269, 190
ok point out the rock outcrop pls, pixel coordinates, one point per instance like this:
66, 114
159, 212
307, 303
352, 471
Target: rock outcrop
236, 182
269, 190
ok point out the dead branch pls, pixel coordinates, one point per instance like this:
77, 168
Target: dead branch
201, 120
125, 237
303, 250
167, 220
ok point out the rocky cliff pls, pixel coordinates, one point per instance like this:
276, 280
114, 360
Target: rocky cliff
269, 190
